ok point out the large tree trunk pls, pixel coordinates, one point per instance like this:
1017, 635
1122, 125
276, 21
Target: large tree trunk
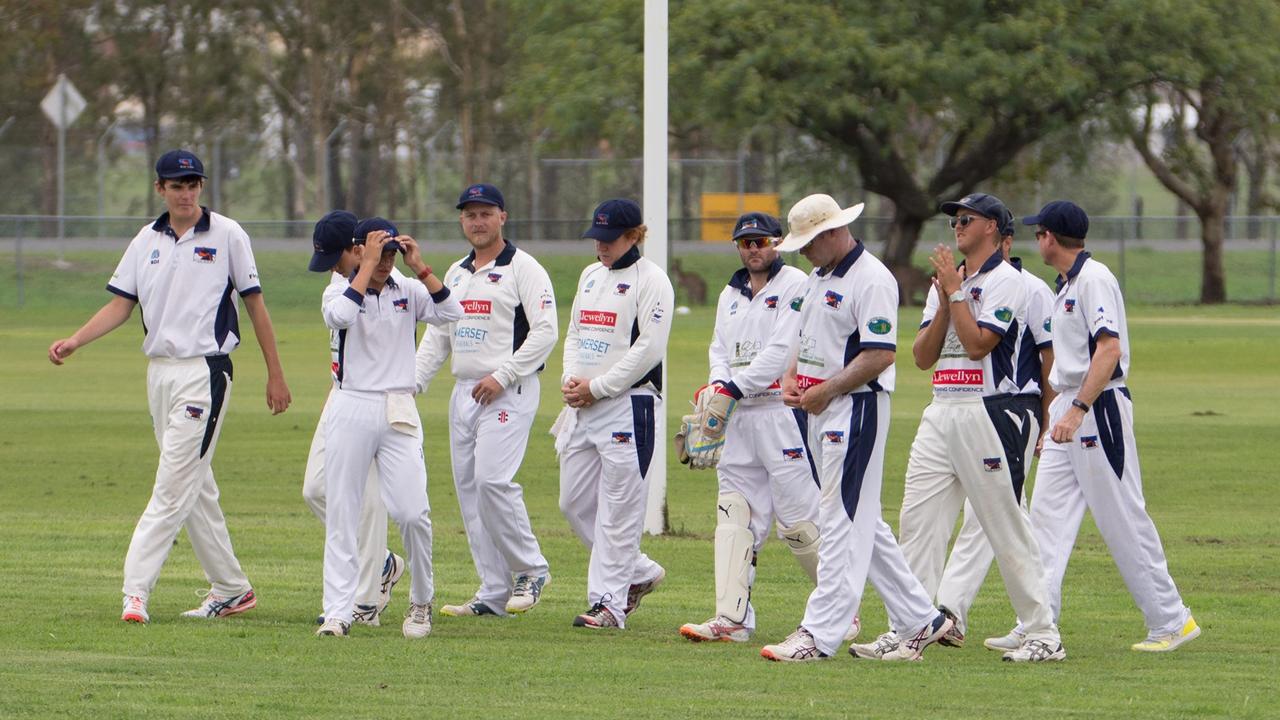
1213, 282
904, 234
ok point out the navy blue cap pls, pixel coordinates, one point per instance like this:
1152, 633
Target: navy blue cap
756, 224
612, 218
1006, 224
481, 193
333, 234
369, 225
178, 164
988, 206
1063, 217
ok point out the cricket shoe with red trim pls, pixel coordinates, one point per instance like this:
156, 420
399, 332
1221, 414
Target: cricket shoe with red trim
135, 610
798, 647
216, 606
717, 629
912, 648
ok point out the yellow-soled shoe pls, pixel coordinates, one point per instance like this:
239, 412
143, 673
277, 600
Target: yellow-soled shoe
1166, 643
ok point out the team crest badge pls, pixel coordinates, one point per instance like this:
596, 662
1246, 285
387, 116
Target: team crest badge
205, 254
771, 302
794, 453
879, 325
835, 437
797, 303
621, 289
400, 305
1089, 441
195, 413
622, 438
833, 299
976, 294
1069, 305
1004, 314
991, 464
493, 278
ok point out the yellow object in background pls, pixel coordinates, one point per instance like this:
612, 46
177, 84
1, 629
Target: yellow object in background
721, 210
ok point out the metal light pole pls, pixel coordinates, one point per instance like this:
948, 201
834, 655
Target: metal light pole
655, 217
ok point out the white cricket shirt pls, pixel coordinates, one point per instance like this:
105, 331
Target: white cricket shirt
184, 285
756, 333
1088, 304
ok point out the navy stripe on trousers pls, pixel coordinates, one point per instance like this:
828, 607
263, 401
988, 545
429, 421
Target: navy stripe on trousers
1014, 436
802, 422
219, 376
1111, 428
862, 444
642, 422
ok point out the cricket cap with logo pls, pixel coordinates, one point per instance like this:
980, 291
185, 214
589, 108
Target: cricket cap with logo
333, 233
757, 224
369, 225
813, 215
1062, 217
481, 193
179, 164
612, 218
988, 206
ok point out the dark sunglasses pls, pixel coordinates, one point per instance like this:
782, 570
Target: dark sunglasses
1041, 233
964, 220
755, 241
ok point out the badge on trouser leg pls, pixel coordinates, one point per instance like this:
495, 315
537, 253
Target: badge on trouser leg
803, 538
735, 547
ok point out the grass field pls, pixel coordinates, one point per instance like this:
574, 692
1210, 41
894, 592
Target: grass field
78, 458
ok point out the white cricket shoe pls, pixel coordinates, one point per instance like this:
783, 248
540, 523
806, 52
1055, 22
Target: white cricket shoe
216, 606
1006, 643
798, 647
333, 627
471, 608
1165, 643
912, 648
878, 648
527, 592
717, 629
366, 615
135, 610
392, 570
636, 592
1036, 651
417, 623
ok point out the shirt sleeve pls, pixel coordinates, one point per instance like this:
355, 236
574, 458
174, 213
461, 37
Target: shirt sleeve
539, 303
124, 281
768, 366
435, 308
653, 318
570, 360
1099, 301
341, 306
243, 268
931, 304
1003, 294
718, 352
1040, 312
875, 311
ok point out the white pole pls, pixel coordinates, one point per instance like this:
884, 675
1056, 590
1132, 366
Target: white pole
655, 217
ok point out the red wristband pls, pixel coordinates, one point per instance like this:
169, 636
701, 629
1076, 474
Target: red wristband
425, 272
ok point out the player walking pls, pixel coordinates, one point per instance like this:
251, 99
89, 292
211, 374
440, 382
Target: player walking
613, 351
380, 569
765, 470
372, 417
971, 556
958, 451
842, 376
182, 270
506, 332
1089, 459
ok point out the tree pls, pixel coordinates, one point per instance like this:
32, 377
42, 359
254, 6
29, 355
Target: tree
1215, 83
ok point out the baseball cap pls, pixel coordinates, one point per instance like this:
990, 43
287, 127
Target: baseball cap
1062, 217
179, 163
1006, 224
612, 218
481, 193
754, 224
369, 225
333, 234
988, 206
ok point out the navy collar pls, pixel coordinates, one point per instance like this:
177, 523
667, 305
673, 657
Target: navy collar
843, 266
504, 257
1074, 271
741, 280
628, 258
990, 263
1016, 262
161, 225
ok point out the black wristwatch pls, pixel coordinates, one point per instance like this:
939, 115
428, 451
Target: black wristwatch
1075, 402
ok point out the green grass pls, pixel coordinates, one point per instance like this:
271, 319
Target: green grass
78, 459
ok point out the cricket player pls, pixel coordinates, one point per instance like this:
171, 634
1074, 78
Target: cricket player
498, 348
613, 351
372, 417
380, 569
1089, 459
971, 556
841, 377
182, 270
765, 470
958, 452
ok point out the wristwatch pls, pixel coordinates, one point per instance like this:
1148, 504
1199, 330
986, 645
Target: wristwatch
957, 296
1075, 402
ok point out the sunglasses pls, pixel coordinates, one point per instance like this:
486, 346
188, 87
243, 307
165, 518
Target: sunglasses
758, 241
964, 220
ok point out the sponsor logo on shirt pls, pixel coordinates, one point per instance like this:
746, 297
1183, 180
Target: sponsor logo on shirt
195, 413
835, 437
1089, 441
477, 307
733, 308
590, 284
547, 301
657, 315
622, 438
400, 305
771, 302
804, 382
469, 333
597, 317
991, 464
879, 326
833, 299
592, 345
205, 254
155, 257
957, 376
1004, 314
794, 453
621, 289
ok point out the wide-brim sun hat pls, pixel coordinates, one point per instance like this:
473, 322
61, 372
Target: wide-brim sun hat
815, 214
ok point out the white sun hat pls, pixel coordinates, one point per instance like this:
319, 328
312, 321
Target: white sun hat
813, 215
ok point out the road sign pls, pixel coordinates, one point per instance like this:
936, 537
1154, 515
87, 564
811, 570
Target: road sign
63, 104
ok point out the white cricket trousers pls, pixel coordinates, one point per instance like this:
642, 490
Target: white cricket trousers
371, 542
857, 545
487, 447
188, 399
357, 433
957, 454
766, 458
1018, 425
1098, 470
603, 487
